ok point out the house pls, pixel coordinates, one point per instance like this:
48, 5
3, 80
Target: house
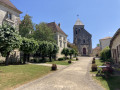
9, 14
115, 47
105, 42
60, 37
96, 52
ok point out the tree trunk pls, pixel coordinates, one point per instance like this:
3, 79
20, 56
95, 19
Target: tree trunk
7, 58
70, 56
50, 58
43, 58
28, 57
24, 59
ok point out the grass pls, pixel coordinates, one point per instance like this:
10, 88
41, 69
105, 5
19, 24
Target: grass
15, 75
112, 83
59, 62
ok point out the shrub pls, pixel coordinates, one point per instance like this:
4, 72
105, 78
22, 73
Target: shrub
77, 59
94, 67
54, 67
105, 54
60, 59
108, 71
69, 61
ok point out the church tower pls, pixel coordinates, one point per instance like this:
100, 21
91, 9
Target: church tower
82, 39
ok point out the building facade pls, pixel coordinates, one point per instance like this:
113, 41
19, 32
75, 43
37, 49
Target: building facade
115, 47
9, 14
105, 42
82, 39
60, 37
96, 52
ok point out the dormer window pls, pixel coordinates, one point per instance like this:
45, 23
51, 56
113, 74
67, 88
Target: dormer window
9, 15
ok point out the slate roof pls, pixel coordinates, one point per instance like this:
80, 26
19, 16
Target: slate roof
56, 28
78, 22
9, 4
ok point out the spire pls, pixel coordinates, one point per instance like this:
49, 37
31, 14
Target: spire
78, 22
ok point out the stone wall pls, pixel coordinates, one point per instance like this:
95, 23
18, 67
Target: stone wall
60, 38
15, 16
104, 43
115, 50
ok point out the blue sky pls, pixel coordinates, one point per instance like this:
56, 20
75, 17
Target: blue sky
101, 17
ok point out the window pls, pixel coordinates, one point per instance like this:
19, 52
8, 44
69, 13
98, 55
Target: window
76, 32
9, 15
60, 43
64, 38
84, 41
60, 37
64, 44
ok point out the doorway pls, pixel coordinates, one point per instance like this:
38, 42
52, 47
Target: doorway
84, 51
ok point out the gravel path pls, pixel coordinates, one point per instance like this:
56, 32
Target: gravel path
74, 77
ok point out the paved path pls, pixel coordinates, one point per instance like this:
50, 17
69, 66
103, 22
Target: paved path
44, 64
74, 77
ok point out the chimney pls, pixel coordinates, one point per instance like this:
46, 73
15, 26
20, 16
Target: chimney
59, 24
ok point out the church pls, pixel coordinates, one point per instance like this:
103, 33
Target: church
82, 39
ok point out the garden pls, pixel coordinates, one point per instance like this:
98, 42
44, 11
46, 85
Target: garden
103, 71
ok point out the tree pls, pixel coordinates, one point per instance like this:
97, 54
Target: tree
9, 40
28, 46
26, 26
105, 54
98, 45
71, 52
65, 51
43, 33
50, 51
55, 50
43, 49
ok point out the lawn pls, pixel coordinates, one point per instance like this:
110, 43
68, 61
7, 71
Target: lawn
59, 62
15, 75
112, 83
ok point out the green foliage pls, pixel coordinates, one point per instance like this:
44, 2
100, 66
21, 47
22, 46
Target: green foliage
71, 52
9, 40
29, 46
26, 26
72, 46
43, 33
98, 45
47, 49
65, 51
105, 54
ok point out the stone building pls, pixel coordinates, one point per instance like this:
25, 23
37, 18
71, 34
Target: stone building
82, 39
115, 47
105, 42
96, 52
11, 15
60, 37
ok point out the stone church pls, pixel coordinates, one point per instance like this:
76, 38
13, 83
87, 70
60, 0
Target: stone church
82, 39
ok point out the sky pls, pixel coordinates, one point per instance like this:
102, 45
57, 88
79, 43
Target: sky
100, 17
